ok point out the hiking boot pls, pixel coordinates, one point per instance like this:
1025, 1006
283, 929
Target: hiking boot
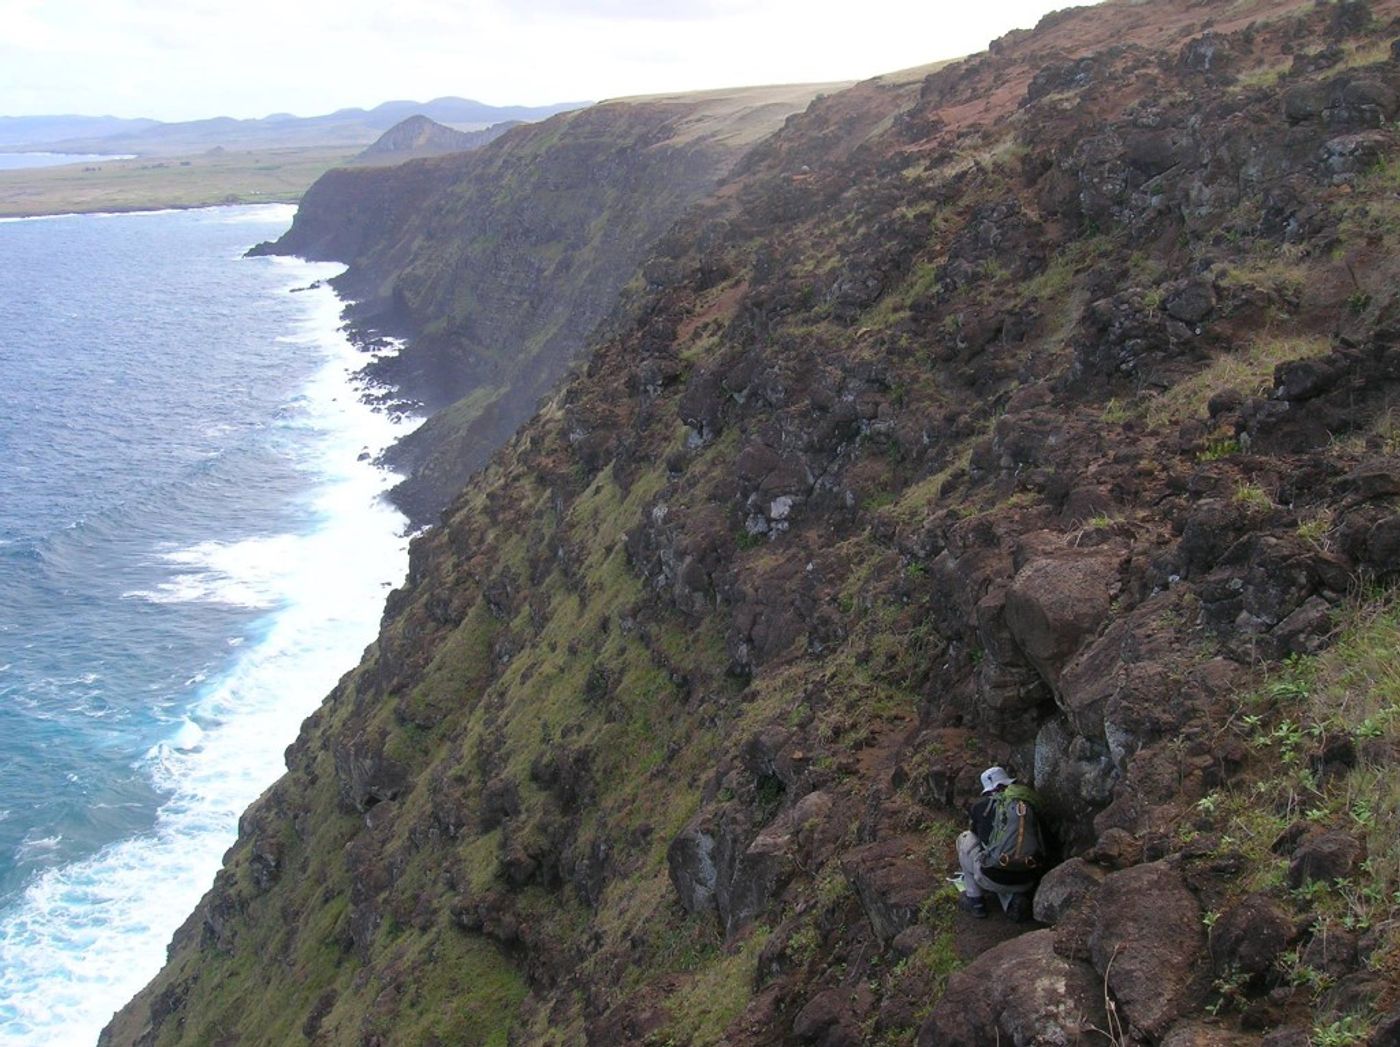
975, 907
1020, 908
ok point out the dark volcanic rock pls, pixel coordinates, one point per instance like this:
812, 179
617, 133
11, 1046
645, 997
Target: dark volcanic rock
1055, 1002
1061, 76
1055, 604
893, 879
1387, 1031
1326, 857
1288, 1037
1064, 887
1192, 302
943, 435
1203, 1034
722, 864
1075, 777
1208, 55
1147, 945
826, 1019
367, 775
1382, 551
1250, 936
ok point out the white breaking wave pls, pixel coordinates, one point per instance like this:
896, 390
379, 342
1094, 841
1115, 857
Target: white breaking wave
252, 573
233, 214
32, 847
242, 214
88, 935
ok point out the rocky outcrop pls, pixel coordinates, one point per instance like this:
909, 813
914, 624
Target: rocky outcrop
495, 291
1147, 945
1250, 938
1048, 1001
1056, 603
893, 881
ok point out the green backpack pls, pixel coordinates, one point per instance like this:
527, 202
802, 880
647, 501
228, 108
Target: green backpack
1015, 845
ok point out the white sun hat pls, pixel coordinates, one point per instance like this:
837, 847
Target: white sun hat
993, 777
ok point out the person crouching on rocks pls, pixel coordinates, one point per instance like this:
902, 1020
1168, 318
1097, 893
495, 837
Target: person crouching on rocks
1003, 852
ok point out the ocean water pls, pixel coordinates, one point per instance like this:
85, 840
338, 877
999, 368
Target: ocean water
193, 548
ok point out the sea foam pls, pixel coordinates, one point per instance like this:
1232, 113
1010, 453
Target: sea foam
89, 934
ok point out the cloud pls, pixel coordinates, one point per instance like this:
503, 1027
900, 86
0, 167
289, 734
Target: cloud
638, 10
199, 58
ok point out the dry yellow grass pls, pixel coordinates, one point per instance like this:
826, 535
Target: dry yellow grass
148, 183
1250, 370
739, 116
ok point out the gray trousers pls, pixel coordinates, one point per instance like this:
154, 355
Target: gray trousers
970, 850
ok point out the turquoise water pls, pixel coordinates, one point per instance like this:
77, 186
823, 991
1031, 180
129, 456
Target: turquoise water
193, 548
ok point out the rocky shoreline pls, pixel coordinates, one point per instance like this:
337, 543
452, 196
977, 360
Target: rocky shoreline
489, 335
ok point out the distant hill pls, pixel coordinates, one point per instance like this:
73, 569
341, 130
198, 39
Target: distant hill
421, 136
342, 128
42, 130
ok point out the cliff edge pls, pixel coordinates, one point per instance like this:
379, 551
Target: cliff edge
1040, 414
497, 265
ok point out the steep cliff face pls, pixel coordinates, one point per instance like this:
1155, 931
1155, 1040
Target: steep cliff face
1041, 415
498, 264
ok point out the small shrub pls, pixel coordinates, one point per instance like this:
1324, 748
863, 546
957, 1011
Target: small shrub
1253, 494
1264, 76
1218, 448
877, 501
1342, 1033
748, 540
769, 791
1117, 411
1317, 529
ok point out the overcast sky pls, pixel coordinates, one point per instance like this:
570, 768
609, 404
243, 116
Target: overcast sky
197, 58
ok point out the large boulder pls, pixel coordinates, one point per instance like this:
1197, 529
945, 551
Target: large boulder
694, 869
1191, 301
803, 836
1148, 945
1201, 1034
1250, 937
892, 879
1057, 603
1075, 779
722, 864
827, 1020
1136, 685
1387, 1032
1064, 887
1324, 857
1010, 690
1019, 994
